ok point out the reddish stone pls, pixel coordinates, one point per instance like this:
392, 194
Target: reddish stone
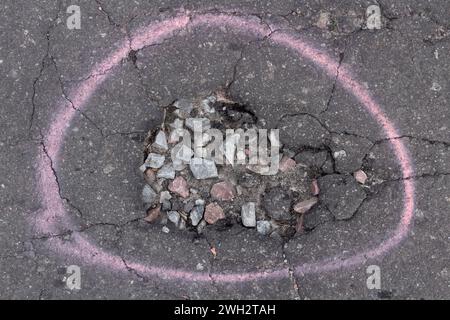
153, 214
315, 190
213, 213
179, 186
287, 164
150, 176
305, 206
223, 191
360, 176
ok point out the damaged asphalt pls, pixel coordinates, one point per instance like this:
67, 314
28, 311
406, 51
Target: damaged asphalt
404, 65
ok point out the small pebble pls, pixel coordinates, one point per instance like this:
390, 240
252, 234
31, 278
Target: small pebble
167, 172
148, 195
161, 142
203, 168
223, 191
179, 186
165, 229
201, 226
305, 206
153, 214
248, 215
263, 227
287, 164
155, 160
174, 217
181, 154
213, 213
200, 202
164, 196
360, 176
150, 176
315, 190
196, 214
166, 205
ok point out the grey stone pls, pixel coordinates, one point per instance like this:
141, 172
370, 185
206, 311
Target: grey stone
201, 226
155, 160
248, 214
161, 141
165, 229
184, 105
196, 214
178, 165
181, 154
341, 194
174, 217
188, 206
277, 203
167, 172
149, 196
206, 104
200, 202
203, 168
164, 196
263, 227
166, 205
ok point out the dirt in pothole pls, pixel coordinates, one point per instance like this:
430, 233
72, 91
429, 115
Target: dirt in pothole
187, 195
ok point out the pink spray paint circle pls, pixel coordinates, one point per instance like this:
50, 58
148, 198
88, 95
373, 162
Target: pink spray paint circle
54, 216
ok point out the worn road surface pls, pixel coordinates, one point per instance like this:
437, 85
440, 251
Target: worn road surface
75, 105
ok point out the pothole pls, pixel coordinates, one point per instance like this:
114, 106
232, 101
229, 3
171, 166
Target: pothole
213, 164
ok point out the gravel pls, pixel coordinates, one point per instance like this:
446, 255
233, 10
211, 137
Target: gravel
155, 160
305, 206
174, 217
149, 196
263, 227
196, 214
167, 172
248, 214
203, 168
161, 142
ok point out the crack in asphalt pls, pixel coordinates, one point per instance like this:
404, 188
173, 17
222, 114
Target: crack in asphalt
42, 66
44, 150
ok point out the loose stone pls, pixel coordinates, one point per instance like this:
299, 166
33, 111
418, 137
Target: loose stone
263, 227
203, 168
161, 142
248, 215
155, 160
174, 217
305, 206
153, 215
179, 186
167, 172
213, 213
223, 191
148, 195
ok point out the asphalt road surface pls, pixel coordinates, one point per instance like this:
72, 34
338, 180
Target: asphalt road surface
76, 104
